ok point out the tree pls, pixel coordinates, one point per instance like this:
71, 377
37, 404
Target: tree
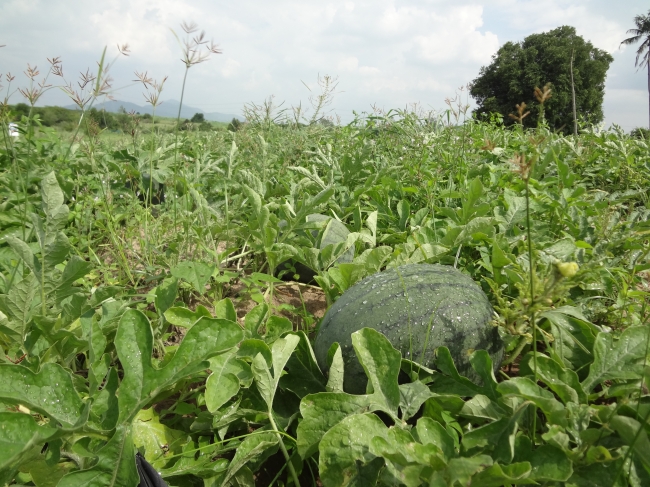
519, 67
641, 33
198, 118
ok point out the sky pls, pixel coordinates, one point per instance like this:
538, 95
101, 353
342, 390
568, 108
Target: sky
382, 53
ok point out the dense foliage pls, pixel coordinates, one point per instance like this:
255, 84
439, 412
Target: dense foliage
519, 67
130, 326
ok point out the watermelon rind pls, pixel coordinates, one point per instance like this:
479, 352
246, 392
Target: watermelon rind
418, 307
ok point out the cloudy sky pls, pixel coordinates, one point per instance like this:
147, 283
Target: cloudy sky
385, 53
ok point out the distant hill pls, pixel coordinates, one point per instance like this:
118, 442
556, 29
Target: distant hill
168, 108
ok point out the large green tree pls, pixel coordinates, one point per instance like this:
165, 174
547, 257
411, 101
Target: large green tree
519, 67
641, 33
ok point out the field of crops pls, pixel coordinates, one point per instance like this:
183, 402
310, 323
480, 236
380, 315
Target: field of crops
160, 293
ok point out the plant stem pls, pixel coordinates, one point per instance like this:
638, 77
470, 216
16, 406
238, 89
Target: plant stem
292, 470
178, 120
532, 296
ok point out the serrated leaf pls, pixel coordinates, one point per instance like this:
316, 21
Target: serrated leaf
304, 376
562, 381
51, 194
19, 433
196, 273
115, 465
184, 317
134, 344
254, 319
498, 475
335, 370
406, 460
23, 251
76, 268
498, 437
323, 411
155, 440
352, 464
280, 352
528, 390
221, 384
19, 304
225, 310
482, 407
615, 359
633, 433
165, 295
429, 431
252, 447
381, 363
412, 396
50, 391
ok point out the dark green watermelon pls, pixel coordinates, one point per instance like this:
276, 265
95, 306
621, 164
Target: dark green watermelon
418, 307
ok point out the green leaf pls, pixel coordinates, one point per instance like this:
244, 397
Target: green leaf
482, 407
134, 344
381, 363
184, 317
430, 432
25, 253
76, 268
280, 352
276, 326
254, 319
50, 391
482, 364
115, 465
452, 382
165, 295
499, 475
304, 376
51, 194
225, 310
345, 457
562, 381
251, 448
412, 396
498, 437
407, 460
56, 251
196, 273
155, 440
528, 390
336, 369
251, 347
549, 464
222, 384
573, 335
460, 471
323, 411
633, 433
616, 359
404, 212
19, 434
19, 304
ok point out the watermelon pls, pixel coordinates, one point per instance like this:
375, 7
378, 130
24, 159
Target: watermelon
334, 232
418, 307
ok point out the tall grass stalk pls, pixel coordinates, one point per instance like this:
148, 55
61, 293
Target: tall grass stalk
191, 56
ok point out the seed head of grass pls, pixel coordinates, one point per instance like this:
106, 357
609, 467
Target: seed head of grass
521, 114
522, 166
544, 94
192, 45
153, 87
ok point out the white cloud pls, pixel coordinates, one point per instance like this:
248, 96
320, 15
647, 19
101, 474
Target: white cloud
384, 51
